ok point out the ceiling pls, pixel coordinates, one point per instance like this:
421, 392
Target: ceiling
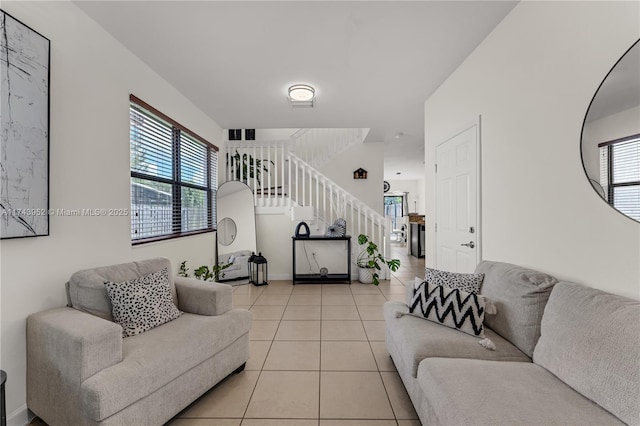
372, 63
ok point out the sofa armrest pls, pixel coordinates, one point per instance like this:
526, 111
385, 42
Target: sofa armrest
69, 343
203, 298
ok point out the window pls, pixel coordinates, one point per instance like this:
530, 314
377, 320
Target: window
173, 177
393, 207
620, 174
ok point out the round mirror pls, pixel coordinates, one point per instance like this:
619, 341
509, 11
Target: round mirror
227, 231
610, 143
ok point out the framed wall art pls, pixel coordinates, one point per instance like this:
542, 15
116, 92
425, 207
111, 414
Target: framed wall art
24, 135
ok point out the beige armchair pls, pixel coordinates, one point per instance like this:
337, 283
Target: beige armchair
81, 371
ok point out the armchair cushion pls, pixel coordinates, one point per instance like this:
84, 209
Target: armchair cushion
155, 358
86, 291
143, 303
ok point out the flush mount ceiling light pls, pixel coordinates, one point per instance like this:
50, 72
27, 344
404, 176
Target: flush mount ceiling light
301, 95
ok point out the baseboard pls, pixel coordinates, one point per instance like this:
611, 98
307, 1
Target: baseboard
20, 417
280, 277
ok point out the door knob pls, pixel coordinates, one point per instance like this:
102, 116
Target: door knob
470, 244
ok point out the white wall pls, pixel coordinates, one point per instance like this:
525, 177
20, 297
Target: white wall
274, 231
369, 156
615, 126
532, 80
92, 76
273, 134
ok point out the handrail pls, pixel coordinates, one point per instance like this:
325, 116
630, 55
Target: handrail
310, 187
290, 180
319, 146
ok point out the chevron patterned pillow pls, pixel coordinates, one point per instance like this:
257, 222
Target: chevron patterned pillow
450, 307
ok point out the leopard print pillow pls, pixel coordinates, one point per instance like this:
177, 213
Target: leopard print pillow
143, 303
466, 282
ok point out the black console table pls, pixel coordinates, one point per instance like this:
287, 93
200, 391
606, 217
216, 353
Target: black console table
317, 278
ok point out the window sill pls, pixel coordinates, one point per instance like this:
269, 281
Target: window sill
170, 237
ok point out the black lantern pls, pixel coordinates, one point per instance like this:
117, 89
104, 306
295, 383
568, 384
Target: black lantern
257, 269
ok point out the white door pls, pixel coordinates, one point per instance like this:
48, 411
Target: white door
457, 201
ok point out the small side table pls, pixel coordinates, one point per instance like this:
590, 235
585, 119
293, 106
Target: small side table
3, 407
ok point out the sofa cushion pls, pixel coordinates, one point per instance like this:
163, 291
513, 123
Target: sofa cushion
411, 339
470, 283
86, 291
519, 295
591, 340
450, 307
503, 393
152, 359
143, 303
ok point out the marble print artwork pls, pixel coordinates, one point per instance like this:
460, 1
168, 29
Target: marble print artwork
24, 137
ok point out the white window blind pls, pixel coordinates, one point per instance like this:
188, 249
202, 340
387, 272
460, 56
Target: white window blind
173, 177
620, 174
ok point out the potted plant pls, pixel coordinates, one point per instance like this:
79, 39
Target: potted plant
247, 167
370, 261
203, 272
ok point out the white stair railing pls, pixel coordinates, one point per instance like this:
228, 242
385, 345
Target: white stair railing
309, 187
319, 146
262, 166
281, 178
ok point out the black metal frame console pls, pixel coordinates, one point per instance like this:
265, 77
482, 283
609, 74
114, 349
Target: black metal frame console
316, 278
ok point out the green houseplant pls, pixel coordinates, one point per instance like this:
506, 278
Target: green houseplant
203, 272
370, 261
247, 167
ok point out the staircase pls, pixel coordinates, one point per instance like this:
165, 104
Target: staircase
318, 146
284, 174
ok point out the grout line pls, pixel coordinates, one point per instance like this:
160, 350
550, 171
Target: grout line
320, 341
265, 359
395, 416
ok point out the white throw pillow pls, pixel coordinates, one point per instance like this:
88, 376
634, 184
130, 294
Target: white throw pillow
143, 303
470, 283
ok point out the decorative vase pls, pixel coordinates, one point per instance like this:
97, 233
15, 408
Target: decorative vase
365, 275
337, 229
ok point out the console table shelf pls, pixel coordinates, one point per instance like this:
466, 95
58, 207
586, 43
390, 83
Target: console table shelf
317, 278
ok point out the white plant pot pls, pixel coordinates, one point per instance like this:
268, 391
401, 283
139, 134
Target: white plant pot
365, 275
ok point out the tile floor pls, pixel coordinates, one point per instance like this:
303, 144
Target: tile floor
318, 358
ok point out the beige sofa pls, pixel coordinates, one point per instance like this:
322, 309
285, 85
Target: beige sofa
565, 354
81, 371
